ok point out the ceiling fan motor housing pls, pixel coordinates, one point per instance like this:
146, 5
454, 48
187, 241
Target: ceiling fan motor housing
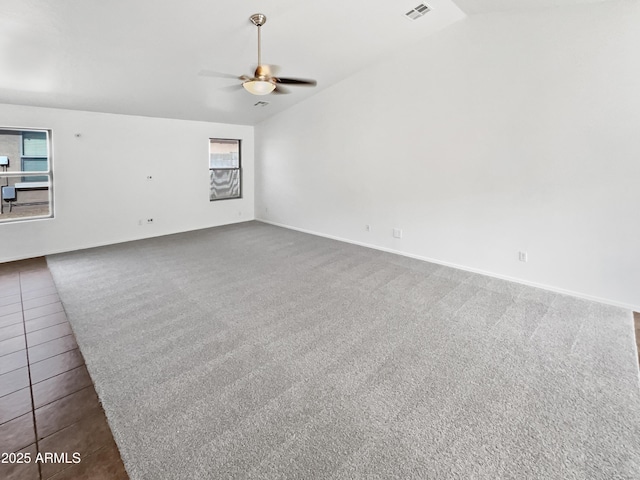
262, 72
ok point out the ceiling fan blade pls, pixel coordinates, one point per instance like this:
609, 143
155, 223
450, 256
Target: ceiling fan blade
232, 88
214, 74
302, 82
280, 90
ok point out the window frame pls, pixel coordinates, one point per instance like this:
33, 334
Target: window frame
238, 168
22, 176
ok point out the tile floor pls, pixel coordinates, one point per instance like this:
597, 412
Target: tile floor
47, 401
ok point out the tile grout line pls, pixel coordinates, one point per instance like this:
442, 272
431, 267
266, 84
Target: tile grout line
50, 340
58, 374
95, 452
45, 315
33, 404
54, 356
33, 331
68, 394
39, 361
44, 328
83, 417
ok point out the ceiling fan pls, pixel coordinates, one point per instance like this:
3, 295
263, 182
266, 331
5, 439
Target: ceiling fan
263, 81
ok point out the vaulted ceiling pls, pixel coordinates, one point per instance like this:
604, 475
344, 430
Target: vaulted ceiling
143, 57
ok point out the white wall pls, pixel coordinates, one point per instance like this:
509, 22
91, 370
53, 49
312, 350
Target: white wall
100, 185
505, 132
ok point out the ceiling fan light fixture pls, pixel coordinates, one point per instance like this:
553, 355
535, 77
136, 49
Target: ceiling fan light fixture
259, 87
261, 82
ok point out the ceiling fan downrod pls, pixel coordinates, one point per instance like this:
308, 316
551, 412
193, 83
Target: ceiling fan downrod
259, 19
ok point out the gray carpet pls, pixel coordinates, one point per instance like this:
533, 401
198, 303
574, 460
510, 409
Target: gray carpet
251, 351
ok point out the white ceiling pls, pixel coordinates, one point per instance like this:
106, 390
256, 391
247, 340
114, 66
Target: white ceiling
143, 57
489, 6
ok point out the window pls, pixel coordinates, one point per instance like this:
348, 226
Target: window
225, 175
25, 174
35, 155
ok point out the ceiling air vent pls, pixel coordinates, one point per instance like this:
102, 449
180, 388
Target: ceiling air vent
418, 11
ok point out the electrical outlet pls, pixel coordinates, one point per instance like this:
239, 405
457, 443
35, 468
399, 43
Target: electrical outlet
149, 220
523, 257
397, 233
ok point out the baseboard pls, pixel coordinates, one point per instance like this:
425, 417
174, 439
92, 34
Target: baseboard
550, 288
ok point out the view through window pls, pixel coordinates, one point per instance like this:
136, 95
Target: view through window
225, 176
25, 174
